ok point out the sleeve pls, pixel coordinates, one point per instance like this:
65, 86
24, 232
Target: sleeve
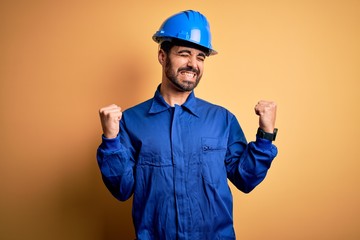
247, 163
116, 163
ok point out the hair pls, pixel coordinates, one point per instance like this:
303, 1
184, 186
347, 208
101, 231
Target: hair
168, 44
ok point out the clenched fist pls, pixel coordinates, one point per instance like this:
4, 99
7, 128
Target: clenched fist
267, 115
110, 117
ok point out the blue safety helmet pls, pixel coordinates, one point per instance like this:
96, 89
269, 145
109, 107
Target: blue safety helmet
189, 26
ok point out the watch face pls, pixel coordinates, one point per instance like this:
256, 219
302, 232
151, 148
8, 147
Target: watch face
275, 133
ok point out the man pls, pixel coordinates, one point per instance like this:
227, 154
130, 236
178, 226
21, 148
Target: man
175, 152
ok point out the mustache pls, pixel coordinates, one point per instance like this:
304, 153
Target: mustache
189, 69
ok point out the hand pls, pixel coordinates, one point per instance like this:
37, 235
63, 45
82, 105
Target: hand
110, 117
266, 110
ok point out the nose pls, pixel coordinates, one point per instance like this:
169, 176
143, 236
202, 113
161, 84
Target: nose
193, 62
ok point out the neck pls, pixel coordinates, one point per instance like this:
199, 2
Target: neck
173, 96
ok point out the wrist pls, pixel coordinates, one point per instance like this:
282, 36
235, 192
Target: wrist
267, 135
110, 134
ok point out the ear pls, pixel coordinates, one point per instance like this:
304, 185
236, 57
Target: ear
161, 57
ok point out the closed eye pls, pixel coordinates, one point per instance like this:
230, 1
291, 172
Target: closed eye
201, 57
185, 53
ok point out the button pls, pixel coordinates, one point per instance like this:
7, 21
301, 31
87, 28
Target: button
205, 148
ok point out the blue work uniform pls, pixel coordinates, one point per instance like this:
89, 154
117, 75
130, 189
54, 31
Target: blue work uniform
175, 162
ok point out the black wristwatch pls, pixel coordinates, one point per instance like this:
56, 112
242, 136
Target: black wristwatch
265, 135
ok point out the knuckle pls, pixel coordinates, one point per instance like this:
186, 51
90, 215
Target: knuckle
101, 110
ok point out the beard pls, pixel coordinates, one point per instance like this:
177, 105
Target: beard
184, 86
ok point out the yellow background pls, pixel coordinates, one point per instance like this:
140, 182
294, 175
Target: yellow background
60, 61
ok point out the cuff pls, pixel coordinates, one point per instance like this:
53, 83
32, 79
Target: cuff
263, 143
111, 144
266, 146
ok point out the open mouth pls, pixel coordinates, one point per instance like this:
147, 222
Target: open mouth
188, 74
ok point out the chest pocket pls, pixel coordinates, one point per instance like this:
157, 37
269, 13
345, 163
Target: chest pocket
154, 152
212, 157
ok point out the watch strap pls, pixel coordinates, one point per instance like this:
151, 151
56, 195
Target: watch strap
265, 135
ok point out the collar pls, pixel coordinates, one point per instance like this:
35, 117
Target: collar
159, 105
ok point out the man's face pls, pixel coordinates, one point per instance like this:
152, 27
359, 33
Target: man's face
184, 67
